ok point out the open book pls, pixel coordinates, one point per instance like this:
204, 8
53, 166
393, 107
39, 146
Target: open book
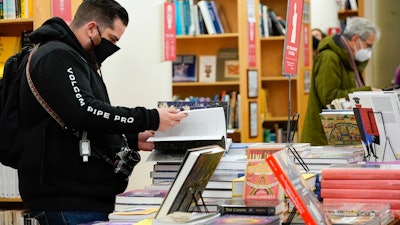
202, 127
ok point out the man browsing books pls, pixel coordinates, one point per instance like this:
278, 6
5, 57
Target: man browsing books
57, 184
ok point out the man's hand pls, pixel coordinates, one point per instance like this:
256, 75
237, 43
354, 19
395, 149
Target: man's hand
142, 140
169, 118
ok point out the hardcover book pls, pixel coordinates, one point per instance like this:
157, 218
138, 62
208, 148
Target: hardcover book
200, 128
340, 127
260, 182
234, 219
196, 170
253, 207
362, 172
184, 68
297, 189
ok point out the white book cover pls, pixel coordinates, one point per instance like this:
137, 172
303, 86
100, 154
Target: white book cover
207, 68
203, 6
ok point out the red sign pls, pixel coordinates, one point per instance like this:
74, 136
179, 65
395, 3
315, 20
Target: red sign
251, 44
62, 9
292, 38
169, 31
306, 45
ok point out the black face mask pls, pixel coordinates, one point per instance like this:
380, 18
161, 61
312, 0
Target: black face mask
103, 50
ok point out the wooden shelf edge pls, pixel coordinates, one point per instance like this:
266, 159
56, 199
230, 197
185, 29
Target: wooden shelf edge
273, 38
227, 35
217, 83
276, 119
19, 20
276, 78
10, 200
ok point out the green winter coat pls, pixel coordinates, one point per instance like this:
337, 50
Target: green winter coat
332, 78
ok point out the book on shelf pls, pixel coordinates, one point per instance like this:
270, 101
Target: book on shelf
141, 196
215, 17
260, 181
185, 218
215, 184
340, 127
207, 68
394, 203
217, 193
235, 219
228, 64
277, 27
297, 189
197, 168
184, 68
201, 127
207, 18
121, 207
253, 207
362, 172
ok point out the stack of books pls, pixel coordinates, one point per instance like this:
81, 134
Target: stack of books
321, 157
362, 183
139, 198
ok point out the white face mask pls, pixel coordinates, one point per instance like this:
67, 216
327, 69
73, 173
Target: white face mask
362, 54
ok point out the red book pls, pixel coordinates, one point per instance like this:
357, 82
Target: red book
260, 182
296, 188
361, 184
362, 172
360, 193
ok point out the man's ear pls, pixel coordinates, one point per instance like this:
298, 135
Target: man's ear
91, 28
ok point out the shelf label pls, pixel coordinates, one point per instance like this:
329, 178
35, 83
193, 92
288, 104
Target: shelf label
251, 34
306, 45
62, 9
292, 37
169, 31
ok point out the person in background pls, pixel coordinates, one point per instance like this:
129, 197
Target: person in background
396, 79
56, 184
318, 34
337, 71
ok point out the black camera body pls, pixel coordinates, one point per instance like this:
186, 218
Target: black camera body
126, 160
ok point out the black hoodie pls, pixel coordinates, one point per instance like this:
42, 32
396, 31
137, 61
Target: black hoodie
52, 174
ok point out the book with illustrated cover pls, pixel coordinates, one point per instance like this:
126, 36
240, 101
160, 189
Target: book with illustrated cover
340, 127
260, 182
207, 68
228, 64
197, 168
297, 189
184, 68
185, 218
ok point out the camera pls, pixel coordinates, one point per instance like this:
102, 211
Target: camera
126, 160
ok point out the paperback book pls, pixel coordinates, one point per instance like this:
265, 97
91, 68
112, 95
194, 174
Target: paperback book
253, 207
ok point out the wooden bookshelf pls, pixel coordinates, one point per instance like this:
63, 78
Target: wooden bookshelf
272, 79
343, 14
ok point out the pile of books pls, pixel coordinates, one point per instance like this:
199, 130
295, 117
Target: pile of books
362, 183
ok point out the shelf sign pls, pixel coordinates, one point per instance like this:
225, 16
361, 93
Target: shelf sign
251, 34
292, 37
306, 45
62, 9
169, 31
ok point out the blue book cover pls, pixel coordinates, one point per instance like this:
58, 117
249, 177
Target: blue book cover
184, 68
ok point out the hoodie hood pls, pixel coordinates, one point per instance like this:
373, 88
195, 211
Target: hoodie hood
56, 29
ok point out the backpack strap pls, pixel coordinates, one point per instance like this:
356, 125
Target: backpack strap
84, 144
